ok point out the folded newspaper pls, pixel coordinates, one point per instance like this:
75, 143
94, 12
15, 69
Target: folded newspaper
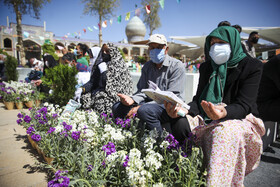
160, 96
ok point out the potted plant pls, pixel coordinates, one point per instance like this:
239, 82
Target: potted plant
18, 101
9, 98
27, 100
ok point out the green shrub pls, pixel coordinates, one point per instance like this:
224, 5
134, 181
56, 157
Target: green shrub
48, 47
122, 53
61, 79
141, 59
10, 67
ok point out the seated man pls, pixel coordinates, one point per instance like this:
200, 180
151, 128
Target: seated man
169, 75
269, 91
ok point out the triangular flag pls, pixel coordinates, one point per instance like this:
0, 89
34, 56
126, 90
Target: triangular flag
65, 36
25, 34
178, 1
138, 12
90, 29
148, 9
161, 2
68, 33
99, 26
104, 24
96, 28
127, 16
72, 34
84, 30
119, 19
111, 21
76, 33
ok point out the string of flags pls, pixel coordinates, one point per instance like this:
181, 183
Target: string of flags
104, 24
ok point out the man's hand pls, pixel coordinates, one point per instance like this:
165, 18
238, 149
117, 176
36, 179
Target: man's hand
172, 110
132, 112
214, 112
126, 100
38, 82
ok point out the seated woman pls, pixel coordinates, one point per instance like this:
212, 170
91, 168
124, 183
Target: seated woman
222, 113
109, 76
269, 91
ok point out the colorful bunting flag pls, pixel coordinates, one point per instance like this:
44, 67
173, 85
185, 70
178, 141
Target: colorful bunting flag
84, 30
90, 29
104, 24
127, 16
111, 21
76, 33
161, 2
68, 34
41, 38
178, 1
25, 34
148, 9
99, 26
119, 19
95, 27
138, 12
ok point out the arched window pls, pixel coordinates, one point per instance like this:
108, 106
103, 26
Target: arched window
7, 43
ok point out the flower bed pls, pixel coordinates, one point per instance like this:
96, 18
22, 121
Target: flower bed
19, 93
92, 150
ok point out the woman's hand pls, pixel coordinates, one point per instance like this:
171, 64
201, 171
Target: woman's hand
126, 100
172, 110
214, 112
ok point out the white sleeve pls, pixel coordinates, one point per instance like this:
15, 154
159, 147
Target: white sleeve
102, 67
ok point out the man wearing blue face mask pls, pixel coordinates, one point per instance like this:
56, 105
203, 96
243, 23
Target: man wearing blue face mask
169, 75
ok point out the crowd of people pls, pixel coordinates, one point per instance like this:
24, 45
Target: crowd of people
224, 115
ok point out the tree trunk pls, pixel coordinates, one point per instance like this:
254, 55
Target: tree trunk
19, 33
100, 31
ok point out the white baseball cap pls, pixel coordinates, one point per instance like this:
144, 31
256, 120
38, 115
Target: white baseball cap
157, 38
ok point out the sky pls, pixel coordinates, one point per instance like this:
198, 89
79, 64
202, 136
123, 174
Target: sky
187, 18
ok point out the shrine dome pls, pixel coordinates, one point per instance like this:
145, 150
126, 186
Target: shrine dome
135, 30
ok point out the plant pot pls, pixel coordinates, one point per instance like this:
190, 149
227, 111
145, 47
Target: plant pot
19, 105
29, 104
9, 105
48, 159
33, 144
37, 103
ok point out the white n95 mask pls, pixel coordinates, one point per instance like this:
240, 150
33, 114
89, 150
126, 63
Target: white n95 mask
220, 53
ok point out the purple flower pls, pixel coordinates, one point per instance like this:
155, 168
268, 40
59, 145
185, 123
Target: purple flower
43, 110
104, 164
2, 89
76, 135
90, 167
19, 121
30, 130
125, 164
109, 148
20, 115
1, 97
52, 129
36, 137
32, 92
68, 127
54, 116
30, 108
173, 143
64, 133
17, 98
27, 119
59, 180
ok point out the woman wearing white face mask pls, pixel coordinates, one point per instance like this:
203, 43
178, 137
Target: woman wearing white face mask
222, 113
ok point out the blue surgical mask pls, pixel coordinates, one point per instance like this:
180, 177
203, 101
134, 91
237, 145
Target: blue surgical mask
157, 55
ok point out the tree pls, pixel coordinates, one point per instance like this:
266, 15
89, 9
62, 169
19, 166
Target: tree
104, 9
152, 20
22, 7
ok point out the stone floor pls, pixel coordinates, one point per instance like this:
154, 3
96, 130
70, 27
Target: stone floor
18, 161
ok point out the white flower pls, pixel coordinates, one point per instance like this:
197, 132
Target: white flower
153, 160
164, 144
158, 185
